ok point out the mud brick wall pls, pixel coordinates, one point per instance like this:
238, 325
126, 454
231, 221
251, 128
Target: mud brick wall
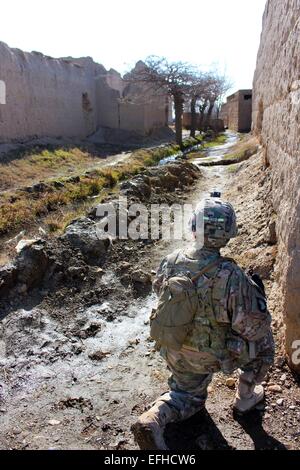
45, 96
276, 120
68, 98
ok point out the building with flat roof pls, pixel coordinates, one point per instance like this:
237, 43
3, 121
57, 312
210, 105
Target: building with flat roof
237, 111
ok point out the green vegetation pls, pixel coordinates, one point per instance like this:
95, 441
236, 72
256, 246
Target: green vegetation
213, 142
219, 140
233, 168
237, 157
65, 198
191, 141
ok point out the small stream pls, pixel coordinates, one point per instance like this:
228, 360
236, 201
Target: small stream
216, 153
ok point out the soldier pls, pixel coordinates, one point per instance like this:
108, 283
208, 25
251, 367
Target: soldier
230, 329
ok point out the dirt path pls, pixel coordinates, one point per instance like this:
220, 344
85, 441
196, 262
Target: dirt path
81, 384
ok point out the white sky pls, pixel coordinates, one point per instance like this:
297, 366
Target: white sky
223, 34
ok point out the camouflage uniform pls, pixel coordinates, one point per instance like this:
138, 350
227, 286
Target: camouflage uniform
224, 346
230, 330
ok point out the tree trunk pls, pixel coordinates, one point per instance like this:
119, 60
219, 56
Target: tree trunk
201, 118
178, 104
209, 113
193, 117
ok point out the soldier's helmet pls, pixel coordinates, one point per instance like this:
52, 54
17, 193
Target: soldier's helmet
214, 222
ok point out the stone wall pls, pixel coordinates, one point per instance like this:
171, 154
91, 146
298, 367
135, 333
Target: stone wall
276, 120
67, 98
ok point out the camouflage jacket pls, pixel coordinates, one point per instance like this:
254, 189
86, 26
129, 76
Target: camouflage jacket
232, 312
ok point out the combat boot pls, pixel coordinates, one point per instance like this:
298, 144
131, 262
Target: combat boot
148, 431
247, 397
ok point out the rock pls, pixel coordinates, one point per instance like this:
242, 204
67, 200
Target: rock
139, 186
77, 271
77, 349
42, 232
16, 238
32, 264
124, 266
274, 389
23, 243
38, 188
119, 445
8, 276
280, 361
90, 329
283, 378
98, 355
230, 382
280, 402
167, 181
54, 422
106, 427
141, 277
30, 319
58, 184
134, 342
292, 407
84, 235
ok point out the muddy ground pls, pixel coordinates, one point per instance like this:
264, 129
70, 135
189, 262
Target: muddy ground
77, 363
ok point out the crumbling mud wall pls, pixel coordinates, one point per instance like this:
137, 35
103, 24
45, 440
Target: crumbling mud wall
67, 98
45, 96
276, 120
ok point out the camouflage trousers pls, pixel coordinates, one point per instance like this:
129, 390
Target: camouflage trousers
188, 384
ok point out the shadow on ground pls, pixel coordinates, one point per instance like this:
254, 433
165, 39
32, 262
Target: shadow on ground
201, 433
252, 425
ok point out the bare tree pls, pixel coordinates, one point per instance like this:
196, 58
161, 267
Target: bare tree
219, 85
172, 78
204, 93
198, 96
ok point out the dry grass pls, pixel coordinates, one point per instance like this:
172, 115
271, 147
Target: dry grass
19, 208
37, 165
243, 149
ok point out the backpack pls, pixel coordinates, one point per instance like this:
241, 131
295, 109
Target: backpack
172, 320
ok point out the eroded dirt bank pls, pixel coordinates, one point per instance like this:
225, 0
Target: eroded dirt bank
77, 366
